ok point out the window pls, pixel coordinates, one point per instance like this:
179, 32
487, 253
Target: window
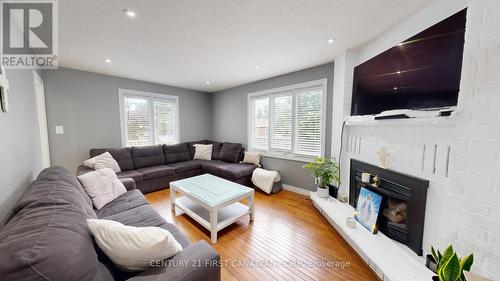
148, 118
288, 122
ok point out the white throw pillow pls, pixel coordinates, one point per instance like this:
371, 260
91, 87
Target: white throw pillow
102, 186
252, 158
203, 151
102, 161
133, 248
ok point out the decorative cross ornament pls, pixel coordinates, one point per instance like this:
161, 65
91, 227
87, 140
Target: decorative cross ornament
4, 90
383, 154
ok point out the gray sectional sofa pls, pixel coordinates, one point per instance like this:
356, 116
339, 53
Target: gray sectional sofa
154, 167
47, 238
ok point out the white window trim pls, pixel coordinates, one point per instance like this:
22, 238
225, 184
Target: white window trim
321, 83
122, 93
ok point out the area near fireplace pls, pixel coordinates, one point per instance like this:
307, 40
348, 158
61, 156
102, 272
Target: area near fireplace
389, 259
404, 196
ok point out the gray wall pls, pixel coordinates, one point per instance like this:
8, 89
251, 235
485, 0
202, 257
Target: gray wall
86, 104
229, 113
20, 154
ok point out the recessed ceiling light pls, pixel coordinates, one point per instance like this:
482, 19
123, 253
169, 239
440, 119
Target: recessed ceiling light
108, 60
129, 13
207, 83
255, 66
395, 88
398, 72
331, 40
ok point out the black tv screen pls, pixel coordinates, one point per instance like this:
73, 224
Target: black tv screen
422, 72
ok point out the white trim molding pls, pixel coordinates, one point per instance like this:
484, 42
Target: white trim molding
295, 189
122, 93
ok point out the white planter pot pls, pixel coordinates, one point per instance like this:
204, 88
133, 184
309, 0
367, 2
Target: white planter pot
322, 192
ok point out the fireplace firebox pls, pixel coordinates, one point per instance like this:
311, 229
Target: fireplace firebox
402, 212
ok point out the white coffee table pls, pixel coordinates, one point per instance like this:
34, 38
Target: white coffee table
212, 201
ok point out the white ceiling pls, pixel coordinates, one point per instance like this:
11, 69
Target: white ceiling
187, 42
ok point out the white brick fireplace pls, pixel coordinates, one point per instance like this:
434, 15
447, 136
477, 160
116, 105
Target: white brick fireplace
459, 155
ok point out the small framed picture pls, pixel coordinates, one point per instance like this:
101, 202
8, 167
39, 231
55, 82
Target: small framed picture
4, 91
368, 208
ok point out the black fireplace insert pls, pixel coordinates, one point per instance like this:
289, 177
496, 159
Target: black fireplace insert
402, 211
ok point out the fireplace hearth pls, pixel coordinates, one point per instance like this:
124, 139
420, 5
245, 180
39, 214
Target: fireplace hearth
402, 211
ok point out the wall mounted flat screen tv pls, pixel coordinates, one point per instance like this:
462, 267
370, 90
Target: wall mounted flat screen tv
420, 73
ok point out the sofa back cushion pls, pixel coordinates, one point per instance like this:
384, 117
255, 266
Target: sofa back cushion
216, 148
230, 152
48, 238
191, 147
176, 153
242, 155
56, 181
147, 156
122, 155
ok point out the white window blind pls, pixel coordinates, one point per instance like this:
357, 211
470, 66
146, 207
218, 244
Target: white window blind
137, 120
282, 117
261, 123
309, 122
148, 118
164, 121
289, 122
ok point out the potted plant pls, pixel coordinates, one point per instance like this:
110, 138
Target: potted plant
449, 266
325, 171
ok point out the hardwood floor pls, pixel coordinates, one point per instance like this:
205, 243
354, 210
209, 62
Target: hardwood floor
289, 240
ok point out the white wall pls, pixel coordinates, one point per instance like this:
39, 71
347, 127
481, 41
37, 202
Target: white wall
460, 156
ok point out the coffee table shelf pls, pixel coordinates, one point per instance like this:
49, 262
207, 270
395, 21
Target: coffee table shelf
226, 216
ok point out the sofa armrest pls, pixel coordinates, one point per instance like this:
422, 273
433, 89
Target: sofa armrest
129, 183
83, 170
199, 261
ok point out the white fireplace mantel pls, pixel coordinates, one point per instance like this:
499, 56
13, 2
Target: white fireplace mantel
389, 259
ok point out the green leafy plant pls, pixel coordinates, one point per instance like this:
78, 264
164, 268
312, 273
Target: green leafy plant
325, 170
449, 266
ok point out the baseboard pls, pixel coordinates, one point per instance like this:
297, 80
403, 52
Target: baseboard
296, 189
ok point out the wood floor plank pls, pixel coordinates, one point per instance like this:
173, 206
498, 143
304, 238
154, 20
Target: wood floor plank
287, 229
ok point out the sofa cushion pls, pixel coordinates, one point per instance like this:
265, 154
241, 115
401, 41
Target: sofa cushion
191, 147
133, 248
202, 151
103, 186
133, 174
122, 155
217, 146
156, 172
60, 184
48, 235
185, 166
147, 216
226, 170
147, 156
129, 200
230, 152
176, 153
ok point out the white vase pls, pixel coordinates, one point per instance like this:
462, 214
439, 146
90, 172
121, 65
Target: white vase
322, 192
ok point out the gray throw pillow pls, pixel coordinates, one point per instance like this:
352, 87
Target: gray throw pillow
230, 152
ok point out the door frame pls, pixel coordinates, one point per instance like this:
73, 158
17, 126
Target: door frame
39, 88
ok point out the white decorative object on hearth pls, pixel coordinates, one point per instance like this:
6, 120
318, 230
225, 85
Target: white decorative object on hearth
323, 192
4, 90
